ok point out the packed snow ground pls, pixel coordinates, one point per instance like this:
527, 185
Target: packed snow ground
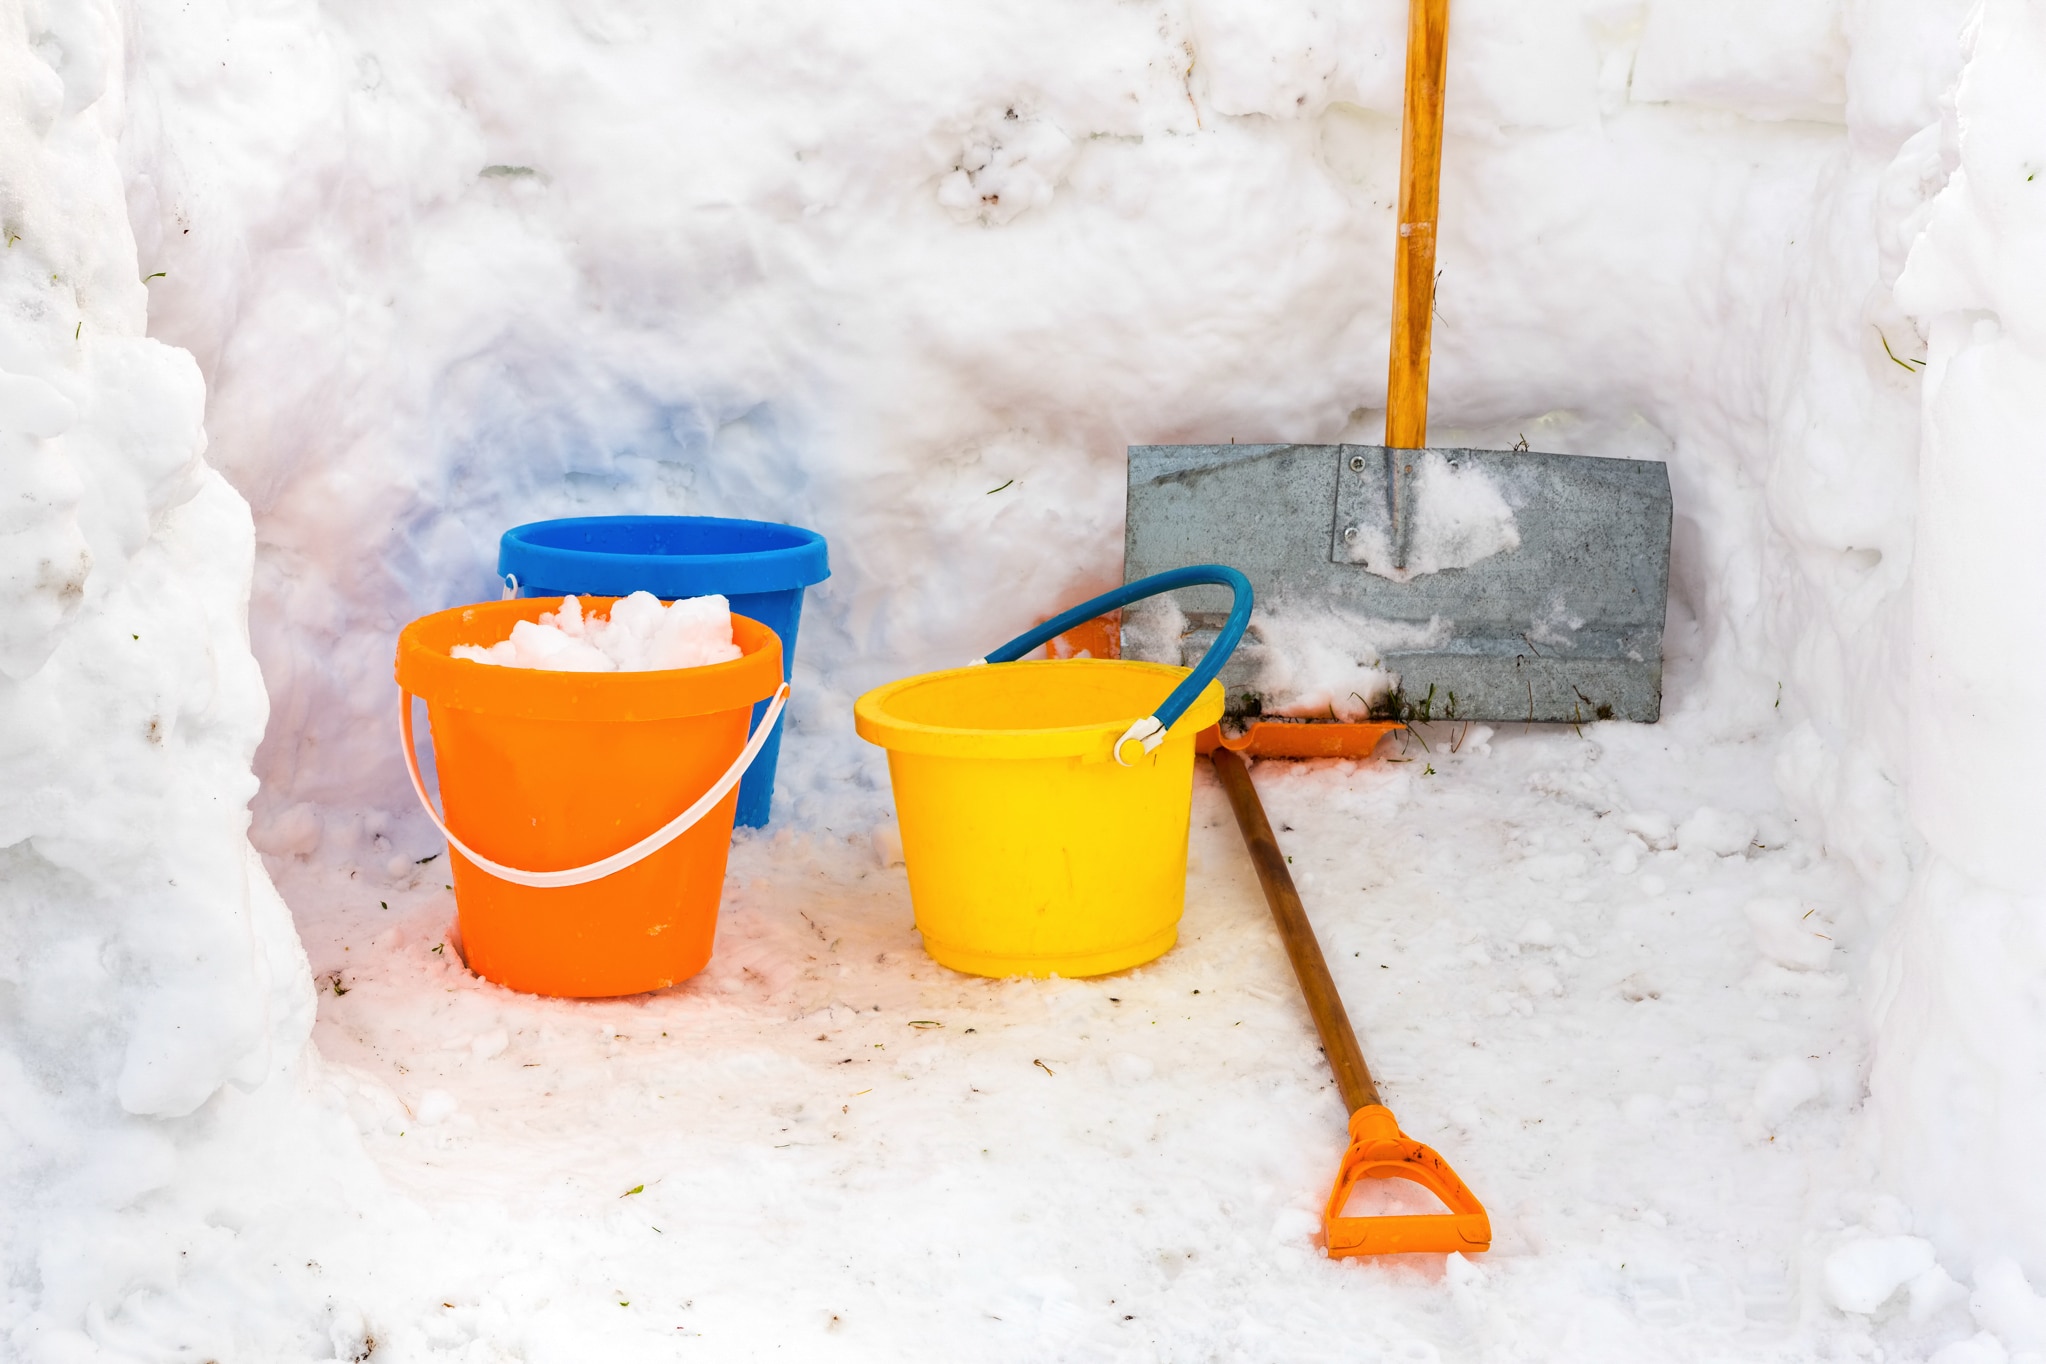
827, 1146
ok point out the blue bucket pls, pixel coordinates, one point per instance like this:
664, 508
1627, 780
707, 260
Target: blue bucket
762, 567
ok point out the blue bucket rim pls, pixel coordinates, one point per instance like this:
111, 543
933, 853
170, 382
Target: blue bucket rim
799, 559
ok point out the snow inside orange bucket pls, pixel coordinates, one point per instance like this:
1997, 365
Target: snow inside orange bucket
548, 771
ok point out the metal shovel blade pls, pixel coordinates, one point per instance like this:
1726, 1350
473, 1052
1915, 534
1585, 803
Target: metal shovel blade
1497, 584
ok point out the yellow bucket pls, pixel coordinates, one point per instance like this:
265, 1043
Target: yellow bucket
1031, 849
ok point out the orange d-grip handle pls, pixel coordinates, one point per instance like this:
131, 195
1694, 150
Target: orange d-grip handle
1379, 1150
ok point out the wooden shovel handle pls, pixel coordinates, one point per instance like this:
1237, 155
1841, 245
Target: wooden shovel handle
1413, 286
1338, 1038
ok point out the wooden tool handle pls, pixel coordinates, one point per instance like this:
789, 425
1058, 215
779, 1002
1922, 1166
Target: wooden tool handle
1413, 285
1338, 1039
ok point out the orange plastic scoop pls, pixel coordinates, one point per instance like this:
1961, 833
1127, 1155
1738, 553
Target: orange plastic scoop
1378, 1149
1294, 739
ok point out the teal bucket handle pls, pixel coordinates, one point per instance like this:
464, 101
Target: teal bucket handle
1150, 731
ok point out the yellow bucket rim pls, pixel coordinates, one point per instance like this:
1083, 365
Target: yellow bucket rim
874, 723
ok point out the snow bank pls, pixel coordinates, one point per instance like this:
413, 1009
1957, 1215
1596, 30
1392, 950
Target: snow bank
147, 966
1959, 1084
640, 634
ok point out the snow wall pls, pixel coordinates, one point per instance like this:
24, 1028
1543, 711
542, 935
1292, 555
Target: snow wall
146, 963
443, 270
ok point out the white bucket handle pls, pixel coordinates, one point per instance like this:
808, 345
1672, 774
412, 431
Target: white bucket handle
618, 861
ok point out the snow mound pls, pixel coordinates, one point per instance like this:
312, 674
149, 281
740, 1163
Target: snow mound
641, 635
1790, 934
1863, 1275
2004, 1302
1719, 832
1785, 1087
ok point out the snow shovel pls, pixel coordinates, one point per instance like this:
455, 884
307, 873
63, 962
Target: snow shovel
1495, 584
1378, 1149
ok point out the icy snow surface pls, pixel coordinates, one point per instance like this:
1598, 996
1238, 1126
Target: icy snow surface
640, 634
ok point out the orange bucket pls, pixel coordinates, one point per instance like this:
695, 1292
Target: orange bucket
567, 789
